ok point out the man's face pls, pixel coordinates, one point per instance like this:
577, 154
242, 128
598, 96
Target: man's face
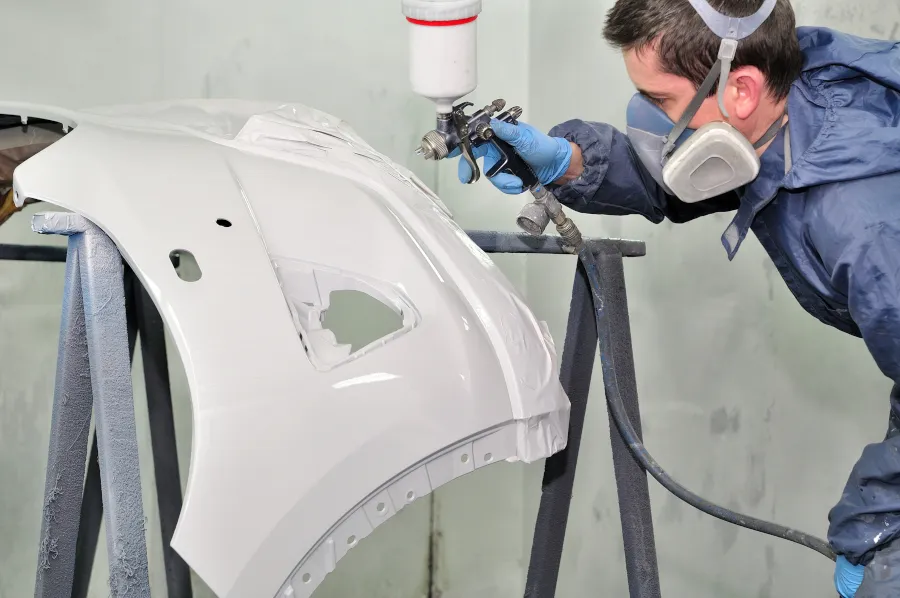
751, 110
670, 92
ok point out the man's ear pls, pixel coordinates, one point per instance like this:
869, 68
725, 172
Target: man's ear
746, 86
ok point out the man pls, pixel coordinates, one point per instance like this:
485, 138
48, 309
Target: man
810, 161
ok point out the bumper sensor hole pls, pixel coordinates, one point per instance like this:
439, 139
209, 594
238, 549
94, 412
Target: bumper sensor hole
185, 265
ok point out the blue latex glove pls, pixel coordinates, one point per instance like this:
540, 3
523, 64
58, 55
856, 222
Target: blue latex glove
847, 577
549, 157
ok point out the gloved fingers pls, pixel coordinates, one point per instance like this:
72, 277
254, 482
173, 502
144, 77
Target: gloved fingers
478, 152
486, 151
508, 132
508, 183
537, 148
464, 171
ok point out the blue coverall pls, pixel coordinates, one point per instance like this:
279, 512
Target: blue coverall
831, 225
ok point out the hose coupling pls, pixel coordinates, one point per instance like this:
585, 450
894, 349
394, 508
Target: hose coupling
570, 234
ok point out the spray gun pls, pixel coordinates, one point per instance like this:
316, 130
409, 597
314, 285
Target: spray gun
457, 130
443, 68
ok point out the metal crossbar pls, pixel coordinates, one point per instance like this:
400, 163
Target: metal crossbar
72, 520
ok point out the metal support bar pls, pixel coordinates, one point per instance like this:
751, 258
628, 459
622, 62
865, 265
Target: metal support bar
497, 242
488, 241
32, 253
631, 479
110, 377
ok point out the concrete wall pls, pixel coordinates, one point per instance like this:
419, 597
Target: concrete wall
746, 399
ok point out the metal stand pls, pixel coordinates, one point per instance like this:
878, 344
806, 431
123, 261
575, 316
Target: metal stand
95, 332
575, 373
104, 310
94, 367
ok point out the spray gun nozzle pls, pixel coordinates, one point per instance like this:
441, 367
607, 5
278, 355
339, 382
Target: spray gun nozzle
433, 146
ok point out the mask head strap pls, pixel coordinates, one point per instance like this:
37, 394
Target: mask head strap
770, 133
731, 30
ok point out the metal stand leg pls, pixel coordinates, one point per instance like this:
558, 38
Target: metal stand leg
89, 528
631, 479
559, 471
162, 436
140, 314
103, 294
559, 474
70, 425
92, 502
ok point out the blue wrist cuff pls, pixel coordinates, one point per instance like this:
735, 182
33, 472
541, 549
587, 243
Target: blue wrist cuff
563, 159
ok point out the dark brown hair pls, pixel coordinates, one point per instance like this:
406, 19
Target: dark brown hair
687, 48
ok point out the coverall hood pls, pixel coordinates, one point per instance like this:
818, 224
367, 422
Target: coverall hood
843, 119
843, 115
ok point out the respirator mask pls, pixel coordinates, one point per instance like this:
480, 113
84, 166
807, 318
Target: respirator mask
695, 165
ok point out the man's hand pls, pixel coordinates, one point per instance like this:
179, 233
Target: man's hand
551, 158
847, 577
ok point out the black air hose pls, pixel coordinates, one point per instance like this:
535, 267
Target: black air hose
637, 448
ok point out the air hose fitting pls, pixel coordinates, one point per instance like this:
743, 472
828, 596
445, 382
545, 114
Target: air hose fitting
534, 218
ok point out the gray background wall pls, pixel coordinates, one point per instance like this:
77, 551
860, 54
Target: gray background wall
745, 398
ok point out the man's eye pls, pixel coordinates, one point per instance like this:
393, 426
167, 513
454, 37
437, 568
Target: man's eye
657, 101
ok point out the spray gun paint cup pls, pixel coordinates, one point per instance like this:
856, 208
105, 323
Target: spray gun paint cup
443, 49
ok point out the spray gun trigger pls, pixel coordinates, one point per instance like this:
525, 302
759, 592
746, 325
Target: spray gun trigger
461, 123
470, 160
466, 150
